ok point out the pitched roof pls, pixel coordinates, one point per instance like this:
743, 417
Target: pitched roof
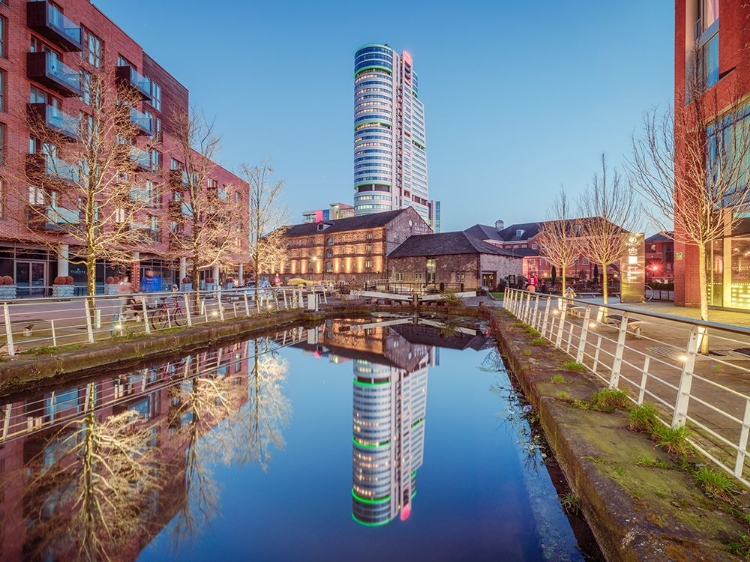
445, 243
659, 237
507, 234
342, 225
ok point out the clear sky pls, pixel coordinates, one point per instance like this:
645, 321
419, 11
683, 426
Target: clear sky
521, 97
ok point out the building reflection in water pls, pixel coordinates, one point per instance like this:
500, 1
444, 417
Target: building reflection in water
391, 358
94, 470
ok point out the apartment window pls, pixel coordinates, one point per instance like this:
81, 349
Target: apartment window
156, 159
86, 87
157, 136
368, 236
399, 277
175, 164
329, 253
368, 249
93, 49
329, 267
417, 276
330, 241
585, 261
3, 36
36, 195
3, 190
368, 264
2, 90
460, 275
155, 96
2, 144
120, 215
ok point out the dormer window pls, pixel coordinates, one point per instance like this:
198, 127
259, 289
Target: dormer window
519, 233
322, 226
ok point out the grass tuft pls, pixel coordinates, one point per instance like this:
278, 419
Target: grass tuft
673, 440
558, 379
643, 418
715, 484
573, 366
571, 503
609, 400
538, 342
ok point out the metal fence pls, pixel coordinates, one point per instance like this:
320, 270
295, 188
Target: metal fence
657, 358
28, 415
55, 322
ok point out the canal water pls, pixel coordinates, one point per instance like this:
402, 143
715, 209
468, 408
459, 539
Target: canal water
393, 440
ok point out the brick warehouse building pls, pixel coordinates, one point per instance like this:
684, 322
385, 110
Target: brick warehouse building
47, 52
717, 32
351, 250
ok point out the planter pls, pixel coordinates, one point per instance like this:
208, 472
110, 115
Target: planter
229, 285
7, 292
63, 290
111, 289
210, 286
186, 287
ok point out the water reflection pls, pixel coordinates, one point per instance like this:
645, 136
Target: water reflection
93, 471
98, 469
390, 358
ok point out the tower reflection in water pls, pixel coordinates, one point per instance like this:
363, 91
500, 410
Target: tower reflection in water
391, 359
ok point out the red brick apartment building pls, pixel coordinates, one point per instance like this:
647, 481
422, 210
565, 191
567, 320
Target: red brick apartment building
717, 32
48, 51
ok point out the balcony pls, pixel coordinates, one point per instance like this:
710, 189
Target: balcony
54, 119
178, 179
144, 232
140, 158
50, 218
50, 71
45, 169
47, 20
129, 76
142, 121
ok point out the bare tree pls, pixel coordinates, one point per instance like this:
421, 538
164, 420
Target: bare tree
100, 485
557, 236
206, 439
206, 224
86, 182
267, 217
692, 165
608, 209
268, 410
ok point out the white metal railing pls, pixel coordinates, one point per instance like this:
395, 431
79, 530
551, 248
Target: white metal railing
30, 414
55, 322
657, 357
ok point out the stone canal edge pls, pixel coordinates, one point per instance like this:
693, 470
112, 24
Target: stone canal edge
637, 513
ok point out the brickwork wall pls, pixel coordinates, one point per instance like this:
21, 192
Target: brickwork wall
734, 80
115, 42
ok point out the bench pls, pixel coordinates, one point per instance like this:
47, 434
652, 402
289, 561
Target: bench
634, 325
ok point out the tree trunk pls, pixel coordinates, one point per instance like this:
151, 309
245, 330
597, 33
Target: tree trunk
703, 287
605, 288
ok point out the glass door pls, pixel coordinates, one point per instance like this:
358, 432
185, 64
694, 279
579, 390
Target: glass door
30, 278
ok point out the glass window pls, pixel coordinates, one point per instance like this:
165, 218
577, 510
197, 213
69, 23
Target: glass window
2, 144
93, 49
3, 35
2, 198
156, 160
2, 90
155, 96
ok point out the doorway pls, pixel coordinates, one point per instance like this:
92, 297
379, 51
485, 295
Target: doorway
31, 278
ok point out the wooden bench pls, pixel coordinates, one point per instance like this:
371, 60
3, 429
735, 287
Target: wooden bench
634, 324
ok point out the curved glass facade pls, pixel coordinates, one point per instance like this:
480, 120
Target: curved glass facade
390, 154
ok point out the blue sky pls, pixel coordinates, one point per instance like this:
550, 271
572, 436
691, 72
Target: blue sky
520, 97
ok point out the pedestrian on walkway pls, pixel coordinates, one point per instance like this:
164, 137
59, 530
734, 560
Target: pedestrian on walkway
123, 289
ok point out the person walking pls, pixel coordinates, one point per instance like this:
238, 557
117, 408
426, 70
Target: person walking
124, 289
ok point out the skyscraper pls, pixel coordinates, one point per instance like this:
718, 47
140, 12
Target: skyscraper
390, 147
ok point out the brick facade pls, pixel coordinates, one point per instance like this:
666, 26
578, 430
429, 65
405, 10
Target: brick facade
351, 250
733, 79
20, 246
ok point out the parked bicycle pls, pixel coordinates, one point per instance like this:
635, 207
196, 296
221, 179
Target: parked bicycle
168, 312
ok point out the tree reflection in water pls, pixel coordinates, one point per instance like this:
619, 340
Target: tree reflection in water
92, 489
100, 487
